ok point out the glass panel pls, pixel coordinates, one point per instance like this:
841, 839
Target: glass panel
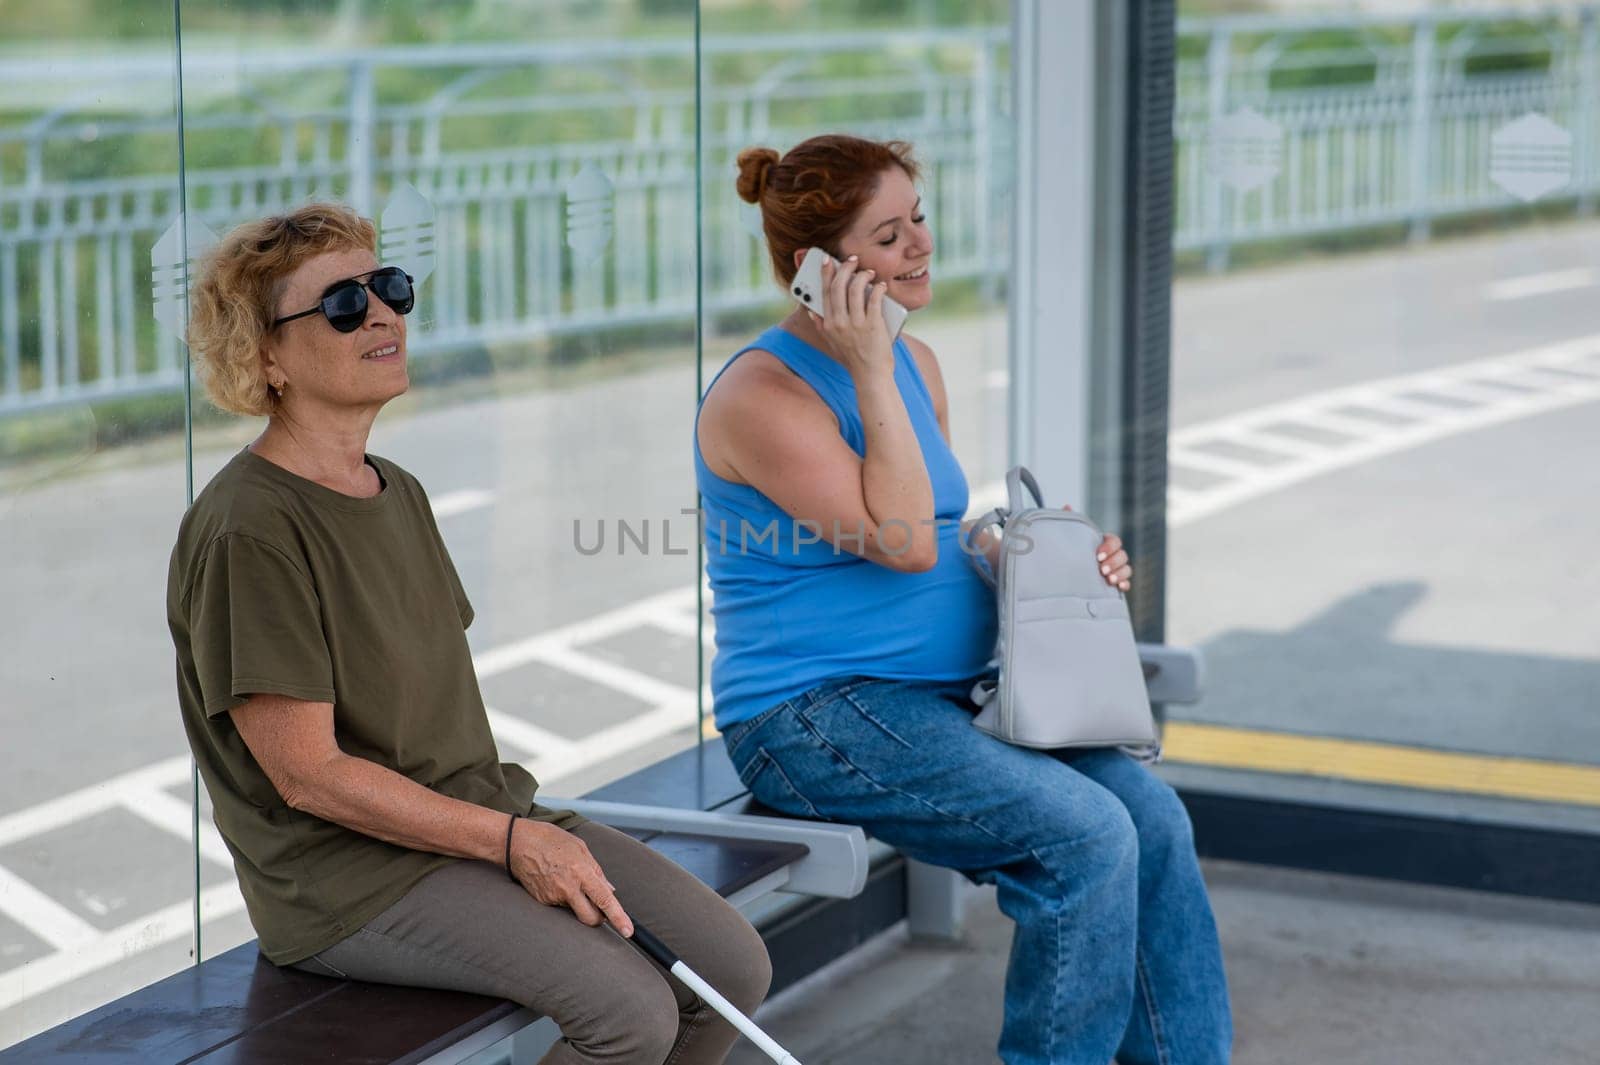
1385, 371
96, 868
933, 73
532, 165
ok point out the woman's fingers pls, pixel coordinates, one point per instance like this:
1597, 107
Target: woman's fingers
875, 296
604, 898
860, 286
582, 908
1113, 562
837, 281
560, 870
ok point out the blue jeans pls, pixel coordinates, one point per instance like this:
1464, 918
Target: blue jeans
1115, 951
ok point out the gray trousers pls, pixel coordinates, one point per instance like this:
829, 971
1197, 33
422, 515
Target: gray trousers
468, 927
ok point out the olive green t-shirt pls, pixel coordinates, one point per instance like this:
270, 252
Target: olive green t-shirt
281, 586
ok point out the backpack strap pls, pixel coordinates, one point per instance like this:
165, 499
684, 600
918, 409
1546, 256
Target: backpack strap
984, 691
979, 559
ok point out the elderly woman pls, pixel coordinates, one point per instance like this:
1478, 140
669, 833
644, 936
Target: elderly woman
843, 666
329, 695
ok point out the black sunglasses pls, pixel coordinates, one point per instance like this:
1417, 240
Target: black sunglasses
344, 303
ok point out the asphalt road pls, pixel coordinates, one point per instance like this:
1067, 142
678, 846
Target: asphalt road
1423, 579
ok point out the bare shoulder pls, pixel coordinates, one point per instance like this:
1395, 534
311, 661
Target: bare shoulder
755, 380
755, 396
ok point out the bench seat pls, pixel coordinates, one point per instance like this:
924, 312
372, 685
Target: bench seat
240, 1009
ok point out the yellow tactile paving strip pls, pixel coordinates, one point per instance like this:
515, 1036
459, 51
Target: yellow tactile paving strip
1225, 747
1381, 763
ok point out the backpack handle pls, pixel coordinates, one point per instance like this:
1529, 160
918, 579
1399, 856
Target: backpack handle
1016, 480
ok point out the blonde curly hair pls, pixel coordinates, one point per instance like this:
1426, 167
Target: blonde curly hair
232, 306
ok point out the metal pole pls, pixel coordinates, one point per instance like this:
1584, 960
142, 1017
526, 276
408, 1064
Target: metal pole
360, 145
1421, 171
1218, 56
1052, 304
982, 113
1586, 134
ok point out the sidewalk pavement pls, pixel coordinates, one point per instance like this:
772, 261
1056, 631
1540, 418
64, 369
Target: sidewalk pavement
1324, 970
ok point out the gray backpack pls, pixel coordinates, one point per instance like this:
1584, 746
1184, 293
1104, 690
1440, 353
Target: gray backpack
1069, 671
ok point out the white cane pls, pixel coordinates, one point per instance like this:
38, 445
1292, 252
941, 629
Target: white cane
675, 965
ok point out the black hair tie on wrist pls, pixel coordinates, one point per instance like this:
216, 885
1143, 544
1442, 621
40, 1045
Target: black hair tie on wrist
510, 828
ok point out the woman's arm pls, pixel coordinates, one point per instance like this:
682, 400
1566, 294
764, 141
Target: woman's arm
293, 742
771, 431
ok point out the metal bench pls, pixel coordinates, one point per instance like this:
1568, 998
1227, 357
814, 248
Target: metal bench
841, 889
239, 1009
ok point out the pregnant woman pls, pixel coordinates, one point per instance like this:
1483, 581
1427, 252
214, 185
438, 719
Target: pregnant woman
848, 642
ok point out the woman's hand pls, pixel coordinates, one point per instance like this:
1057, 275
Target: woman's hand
854, 327
1114, 562
558, 870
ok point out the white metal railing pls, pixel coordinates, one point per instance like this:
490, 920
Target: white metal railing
495, 152
1380, 120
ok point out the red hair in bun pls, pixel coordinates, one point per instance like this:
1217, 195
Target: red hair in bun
810, 196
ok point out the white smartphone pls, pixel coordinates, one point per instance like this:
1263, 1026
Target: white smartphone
808, 291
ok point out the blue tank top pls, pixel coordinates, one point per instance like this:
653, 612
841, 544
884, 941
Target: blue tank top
791, 613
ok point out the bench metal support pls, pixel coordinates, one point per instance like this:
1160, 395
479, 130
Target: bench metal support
836, 866
776, 881
488, 1046
935, 900
1172, 674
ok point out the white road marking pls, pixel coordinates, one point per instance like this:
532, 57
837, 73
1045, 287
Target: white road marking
86, 802
95, 904
170, 814
1379, 400
1516, 288
677, 623
599, 627
166, 925
639, 685
1532, 377
1470, 390
1343, 423
1591, 370
1208, 463
545, 748
452, 503
43, 915
1369, 440
681, 715
1274, 443
1177, 497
